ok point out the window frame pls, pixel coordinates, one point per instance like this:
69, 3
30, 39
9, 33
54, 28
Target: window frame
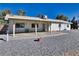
20, 25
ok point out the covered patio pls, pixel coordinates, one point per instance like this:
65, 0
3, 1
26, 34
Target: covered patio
44, 23
46, 29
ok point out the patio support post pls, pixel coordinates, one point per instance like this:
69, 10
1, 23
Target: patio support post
7, 30
50, 28
36, 30
13, 30
7, 20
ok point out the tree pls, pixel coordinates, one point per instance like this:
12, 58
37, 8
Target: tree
0, 13
6, 11
62, 17
74, 24
21, 12
1, 18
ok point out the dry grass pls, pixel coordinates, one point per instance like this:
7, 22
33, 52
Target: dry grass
1, 26
72, 53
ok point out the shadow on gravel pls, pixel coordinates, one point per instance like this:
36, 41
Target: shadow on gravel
2, 39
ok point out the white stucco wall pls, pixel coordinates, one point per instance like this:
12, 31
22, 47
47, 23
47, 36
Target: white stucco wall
27, 25
63, 26
55, 27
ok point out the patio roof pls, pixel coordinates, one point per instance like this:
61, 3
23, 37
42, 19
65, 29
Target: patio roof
16, 17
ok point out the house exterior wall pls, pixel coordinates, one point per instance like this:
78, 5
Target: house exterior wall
66, 26
27, 26
55, 27
63, 27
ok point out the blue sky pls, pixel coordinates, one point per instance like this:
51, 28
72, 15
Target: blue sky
49, 9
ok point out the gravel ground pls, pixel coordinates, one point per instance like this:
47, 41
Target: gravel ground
47, 46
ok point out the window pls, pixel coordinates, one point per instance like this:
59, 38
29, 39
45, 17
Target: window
20, 25
33, 25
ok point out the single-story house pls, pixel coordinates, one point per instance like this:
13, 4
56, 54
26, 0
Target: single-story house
30, 24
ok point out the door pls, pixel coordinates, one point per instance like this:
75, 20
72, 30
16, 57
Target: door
43, 27
59, 26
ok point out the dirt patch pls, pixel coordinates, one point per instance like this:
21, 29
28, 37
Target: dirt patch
72, 53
